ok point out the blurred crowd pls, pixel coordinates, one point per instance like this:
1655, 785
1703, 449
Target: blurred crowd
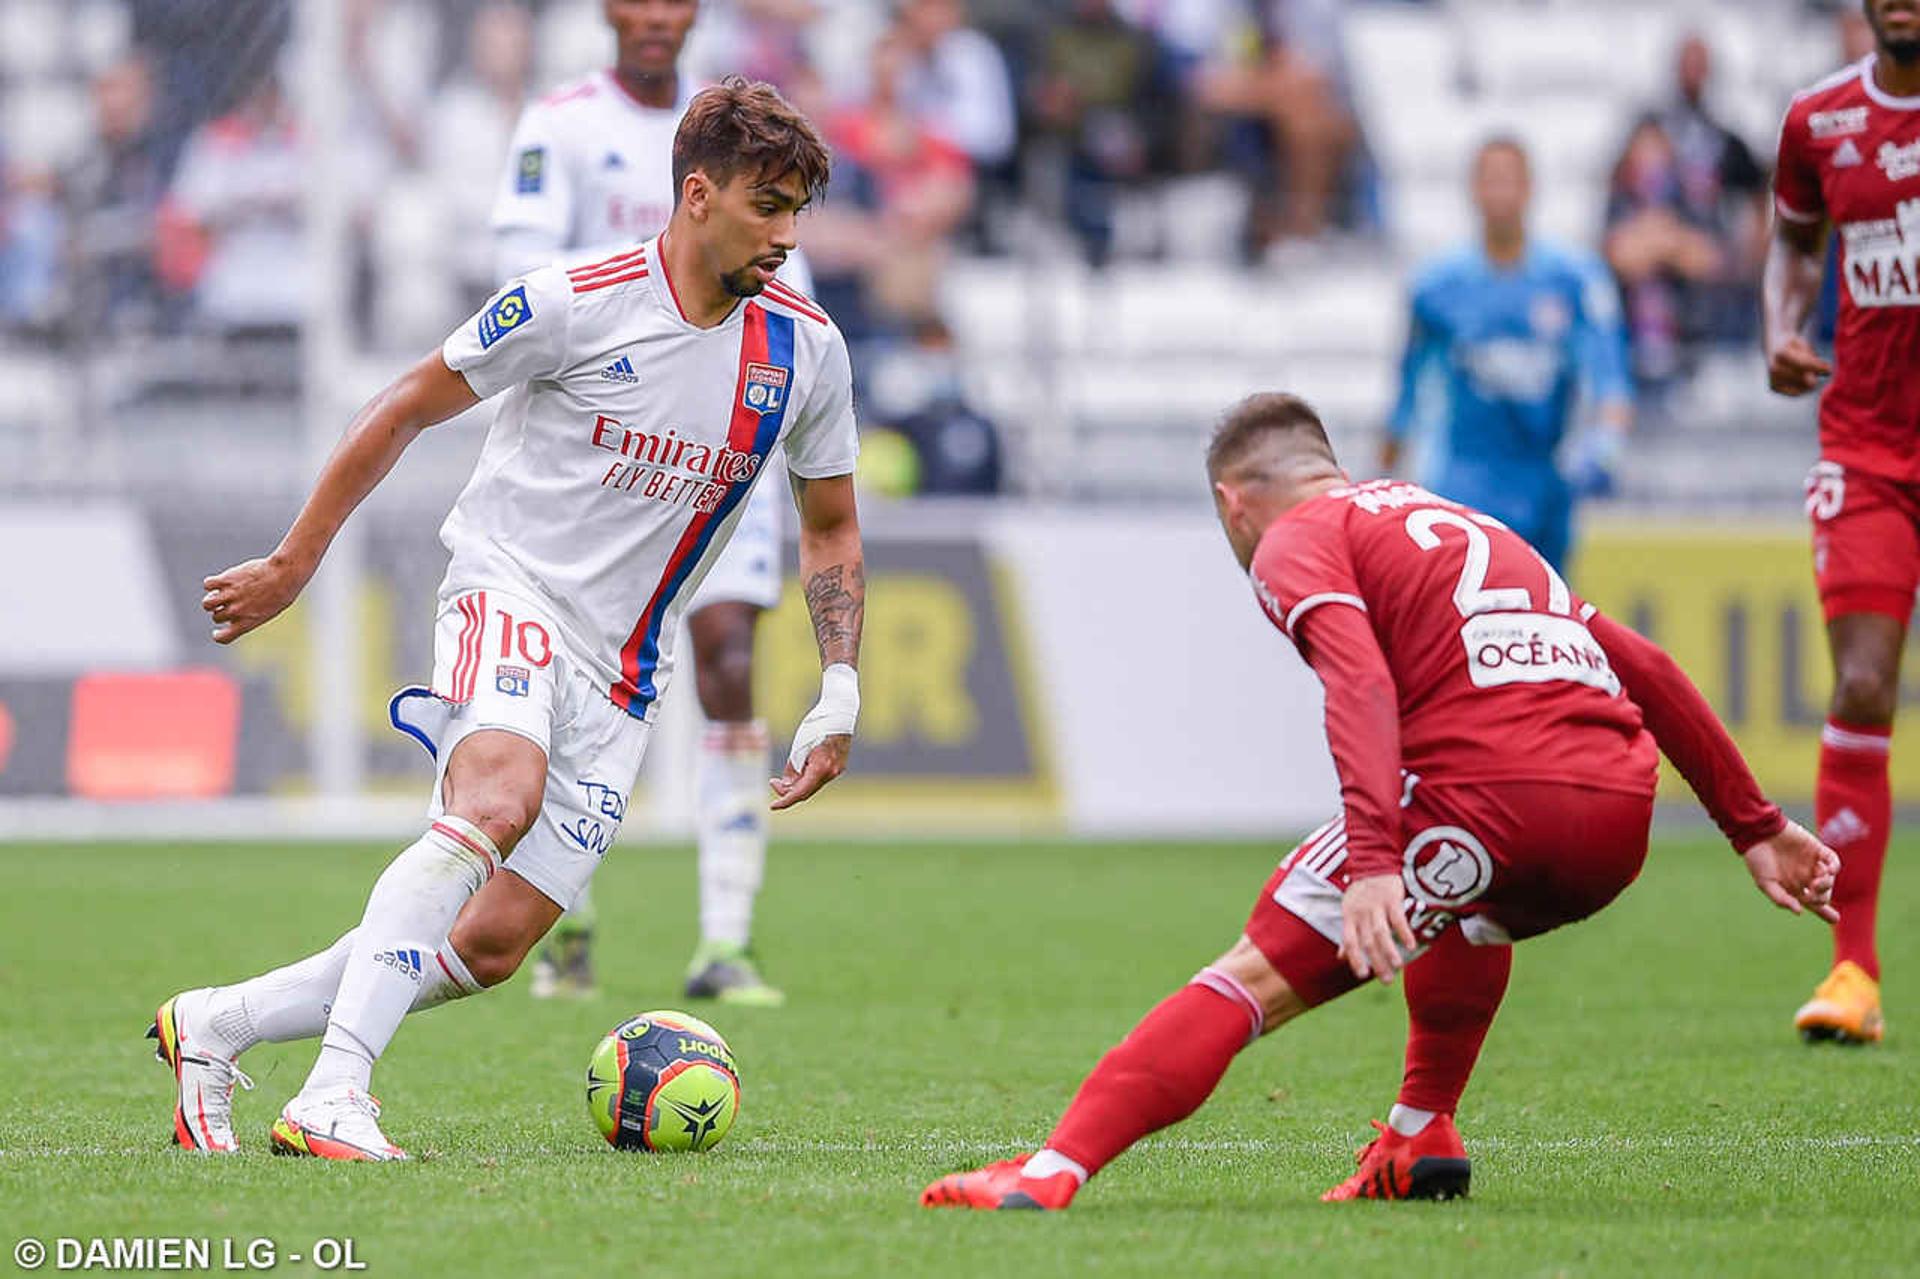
957, 127
184, 207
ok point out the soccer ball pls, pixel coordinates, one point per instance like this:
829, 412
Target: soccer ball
663, 1081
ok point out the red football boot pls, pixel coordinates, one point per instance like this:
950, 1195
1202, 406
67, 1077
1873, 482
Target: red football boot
1001, 1186
1432, 1165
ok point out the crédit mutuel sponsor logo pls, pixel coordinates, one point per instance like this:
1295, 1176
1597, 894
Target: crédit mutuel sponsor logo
666, 466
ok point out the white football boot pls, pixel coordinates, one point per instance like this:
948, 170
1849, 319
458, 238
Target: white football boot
203, 1076
339, 1123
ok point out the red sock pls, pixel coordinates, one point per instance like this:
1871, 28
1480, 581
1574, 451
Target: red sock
1160, 1073
1853, 806
1453, 992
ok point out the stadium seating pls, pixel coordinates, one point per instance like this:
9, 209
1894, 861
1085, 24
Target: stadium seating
1102, 382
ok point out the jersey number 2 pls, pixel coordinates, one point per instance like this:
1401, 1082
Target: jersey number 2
1473, 596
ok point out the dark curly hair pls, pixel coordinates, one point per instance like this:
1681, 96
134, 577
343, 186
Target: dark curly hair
739, 127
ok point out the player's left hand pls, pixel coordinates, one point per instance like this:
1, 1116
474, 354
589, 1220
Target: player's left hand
1795, 871
825, 762
1373, 927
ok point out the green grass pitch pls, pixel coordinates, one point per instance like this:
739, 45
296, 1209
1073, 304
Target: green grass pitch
1642, 1107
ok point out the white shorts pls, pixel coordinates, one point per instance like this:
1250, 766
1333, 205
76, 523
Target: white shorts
499, 663
748, 570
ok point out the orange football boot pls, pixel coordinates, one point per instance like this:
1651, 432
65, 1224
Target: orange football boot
1432, 1165
1001, 1186
1845, 1008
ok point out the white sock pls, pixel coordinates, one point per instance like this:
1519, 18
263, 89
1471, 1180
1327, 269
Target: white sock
1050, 1163
290, 1002
1407, 1121
731, 819
293, 1002
412, 906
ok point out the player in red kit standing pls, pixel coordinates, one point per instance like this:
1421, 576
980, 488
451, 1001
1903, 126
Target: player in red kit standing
1850, 159
1495, 742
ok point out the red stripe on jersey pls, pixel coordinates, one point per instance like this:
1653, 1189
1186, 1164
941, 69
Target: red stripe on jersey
741, 433
618, 268
558, 96
588, 286
618, 262
796, 301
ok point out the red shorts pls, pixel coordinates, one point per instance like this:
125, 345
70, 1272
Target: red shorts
1504, 860
1866, 541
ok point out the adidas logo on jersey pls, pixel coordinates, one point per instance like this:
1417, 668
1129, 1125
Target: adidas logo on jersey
1846, 155
621, 370
404, 961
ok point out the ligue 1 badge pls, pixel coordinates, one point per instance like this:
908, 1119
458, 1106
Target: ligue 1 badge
765, 388
509, 311
531, 170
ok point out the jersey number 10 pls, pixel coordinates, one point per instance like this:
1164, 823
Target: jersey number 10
527, 633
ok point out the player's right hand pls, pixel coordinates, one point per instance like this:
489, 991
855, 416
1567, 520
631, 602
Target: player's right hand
1795, 368
1374, 932
1795, 871
250, 595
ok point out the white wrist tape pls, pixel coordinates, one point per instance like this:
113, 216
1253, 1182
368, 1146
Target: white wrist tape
832, 716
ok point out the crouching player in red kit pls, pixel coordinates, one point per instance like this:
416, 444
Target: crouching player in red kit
1495, 742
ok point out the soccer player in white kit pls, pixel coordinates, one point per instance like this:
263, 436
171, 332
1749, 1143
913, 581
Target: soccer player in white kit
591, 170
598, 505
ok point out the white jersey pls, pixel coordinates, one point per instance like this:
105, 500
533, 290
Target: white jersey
590, 168
626, 446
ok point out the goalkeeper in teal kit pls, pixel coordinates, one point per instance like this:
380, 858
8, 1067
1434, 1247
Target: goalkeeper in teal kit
1522, 334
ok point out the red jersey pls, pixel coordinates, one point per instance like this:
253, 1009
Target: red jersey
1491, 671
1850, 155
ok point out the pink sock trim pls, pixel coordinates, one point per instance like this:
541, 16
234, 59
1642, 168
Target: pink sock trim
1221, 982
470, 837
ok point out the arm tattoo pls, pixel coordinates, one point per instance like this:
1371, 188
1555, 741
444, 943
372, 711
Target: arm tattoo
837, 602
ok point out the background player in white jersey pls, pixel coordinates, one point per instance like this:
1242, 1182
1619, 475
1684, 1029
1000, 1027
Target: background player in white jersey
597, 507
591, 169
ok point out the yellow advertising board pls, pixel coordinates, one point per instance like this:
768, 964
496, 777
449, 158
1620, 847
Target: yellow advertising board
950, 730
1736, 606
